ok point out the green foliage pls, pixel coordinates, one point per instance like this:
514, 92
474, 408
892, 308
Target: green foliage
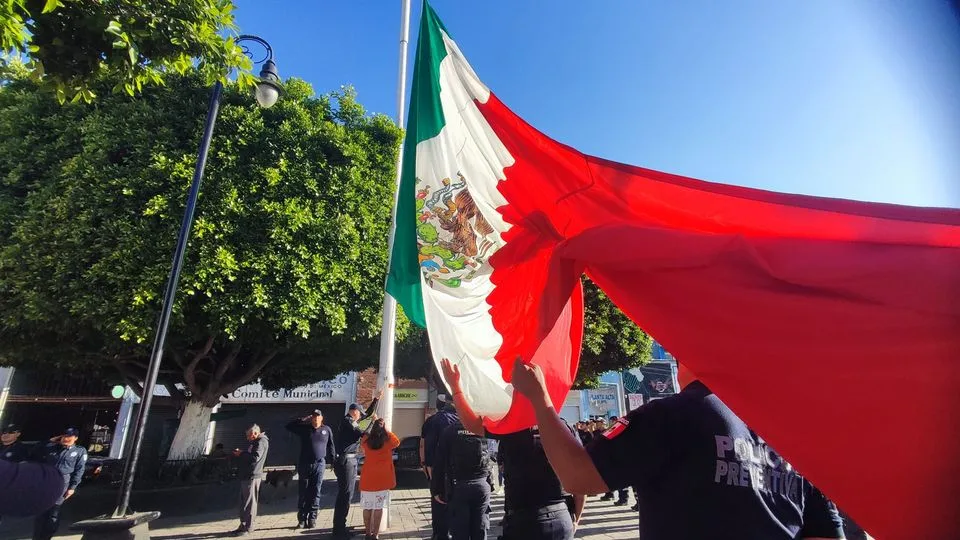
611, 342
285, 268
73, 46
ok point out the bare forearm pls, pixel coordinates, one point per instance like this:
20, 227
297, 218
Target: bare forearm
569, 460
470, 419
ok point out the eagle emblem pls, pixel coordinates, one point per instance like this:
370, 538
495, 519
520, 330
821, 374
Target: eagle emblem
454, 239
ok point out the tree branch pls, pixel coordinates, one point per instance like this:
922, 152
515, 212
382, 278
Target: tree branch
131, 378
226, 363
249, 374
205, 351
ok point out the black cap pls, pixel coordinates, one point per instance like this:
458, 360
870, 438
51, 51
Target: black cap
71, 432
11, 428
355, 407
316, 412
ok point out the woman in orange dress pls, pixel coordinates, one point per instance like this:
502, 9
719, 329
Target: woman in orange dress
378, 476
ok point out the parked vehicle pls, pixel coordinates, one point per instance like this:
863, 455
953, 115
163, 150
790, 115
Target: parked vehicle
406, 457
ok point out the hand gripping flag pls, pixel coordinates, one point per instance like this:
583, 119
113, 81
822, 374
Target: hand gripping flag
831, 327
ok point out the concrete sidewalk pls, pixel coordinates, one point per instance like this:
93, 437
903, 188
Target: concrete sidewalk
409, 518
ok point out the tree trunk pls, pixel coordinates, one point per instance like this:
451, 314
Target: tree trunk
191, 436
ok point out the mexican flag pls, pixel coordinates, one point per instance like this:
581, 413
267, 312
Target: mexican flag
832, 327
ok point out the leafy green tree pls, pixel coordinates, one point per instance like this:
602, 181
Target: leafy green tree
284, 272
72, 45
611, 342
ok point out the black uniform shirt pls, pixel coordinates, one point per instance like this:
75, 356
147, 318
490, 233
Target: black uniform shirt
316, 444
702, 473
432, 428
70, 461
529, 478
348, 435
14, 452
444, 475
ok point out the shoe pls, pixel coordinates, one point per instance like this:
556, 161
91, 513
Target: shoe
636, 507
240, 531
311, 524
622, 502
607, 497
301, 524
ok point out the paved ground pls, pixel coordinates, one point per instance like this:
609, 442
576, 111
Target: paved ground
409, 512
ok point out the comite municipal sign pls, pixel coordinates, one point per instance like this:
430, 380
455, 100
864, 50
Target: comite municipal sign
336, 390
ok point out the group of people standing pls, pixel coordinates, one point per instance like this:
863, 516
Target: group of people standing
321, 445
456, 458
690, 460
38, 480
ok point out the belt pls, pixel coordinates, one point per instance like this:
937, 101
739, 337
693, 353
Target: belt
349, 456
540, 510
462, 480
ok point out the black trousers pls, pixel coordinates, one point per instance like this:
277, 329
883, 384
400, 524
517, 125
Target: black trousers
346, 469
308, 500
46, 524
552, 522
469, 508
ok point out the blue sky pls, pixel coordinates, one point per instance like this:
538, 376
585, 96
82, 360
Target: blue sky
842, 98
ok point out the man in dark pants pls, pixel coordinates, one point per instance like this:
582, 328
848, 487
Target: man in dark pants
535, 504
316, 447
461, 473
63, 453
346, 442
251, 473
429, 438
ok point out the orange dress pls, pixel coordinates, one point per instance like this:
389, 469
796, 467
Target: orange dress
378, 473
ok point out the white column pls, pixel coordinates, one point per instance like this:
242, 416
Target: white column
123, 423
6, 378
211, 430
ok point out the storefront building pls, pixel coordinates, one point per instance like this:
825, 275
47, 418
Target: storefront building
273, 409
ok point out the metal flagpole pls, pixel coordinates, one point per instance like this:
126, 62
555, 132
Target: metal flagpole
388, 329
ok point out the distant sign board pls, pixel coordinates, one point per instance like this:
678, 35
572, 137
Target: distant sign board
410, 394
634, 401
336, 390
652, 380
602, 401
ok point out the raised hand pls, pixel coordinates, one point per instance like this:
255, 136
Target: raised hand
529, 381
451, 374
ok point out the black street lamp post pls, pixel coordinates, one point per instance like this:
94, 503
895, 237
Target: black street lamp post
267, 92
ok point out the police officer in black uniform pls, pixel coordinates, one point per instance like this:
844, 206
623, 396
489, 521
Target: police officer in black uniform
347, 442
433, 427
11, 449
701, 472
63, 453
316, 447
462, 473
535, 503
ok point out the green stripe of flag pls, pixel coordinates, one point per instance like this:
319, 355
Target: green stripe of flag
424, 122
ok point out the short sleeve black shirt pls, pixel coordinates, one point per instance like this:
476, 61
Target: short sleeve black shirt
702, 473
530, 480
